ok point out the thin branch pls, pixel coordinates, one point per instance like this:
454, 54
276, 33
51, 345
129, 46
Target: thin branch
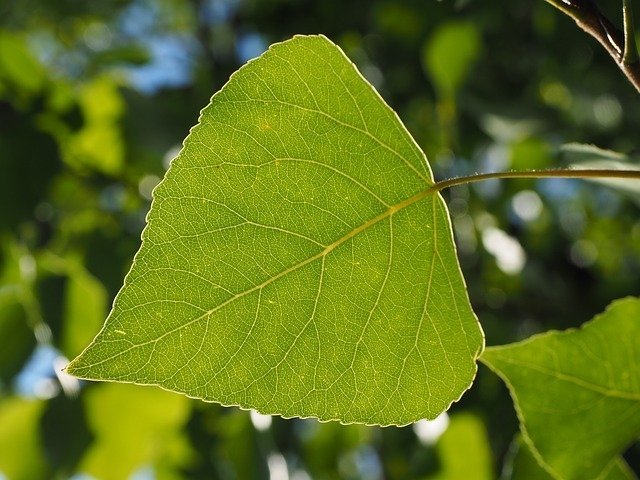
588, 17
630, 47
554, 173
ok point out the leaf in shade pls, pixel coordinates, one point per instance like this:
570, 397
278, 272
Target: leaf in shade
577, 391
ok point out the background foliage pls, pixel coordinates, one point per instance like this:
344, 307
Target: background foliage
95, 99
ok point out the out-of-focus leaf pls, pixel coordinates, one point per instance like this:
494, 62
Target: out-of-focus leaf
126, 54
522, 465
135, 427
85, 303
98, 145
85, 306
577, 391
16, 338
530, 153
29, 162
296, 260
325, 443
238, 454
449, 55
18, 67
464, 450
589, 156
399, 19
21, 455
580, 152
65, 434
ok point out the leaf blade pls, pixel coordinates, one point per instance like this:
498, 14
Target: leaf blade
577, 390
290, 236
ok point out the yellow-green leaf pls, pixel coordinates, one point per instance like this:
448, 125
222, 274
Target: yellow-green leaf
296, 260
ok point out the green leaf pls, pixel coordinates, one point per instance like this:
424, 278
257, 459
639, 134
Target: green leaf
18, 66
590, 156
464, 450
522, 465
85, 301
21, 454
135, 428
577, 391
296, 260
450, 54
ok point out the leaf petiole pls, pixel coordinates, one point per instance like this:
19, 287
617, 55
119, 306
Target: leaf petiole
551, 173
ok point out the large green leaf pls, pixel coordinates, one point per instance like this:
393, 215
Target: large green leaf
522, 465
296, 260
577, 393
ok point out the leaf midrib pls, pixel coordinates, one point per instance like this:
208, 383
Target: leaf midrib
323, 253
607, 392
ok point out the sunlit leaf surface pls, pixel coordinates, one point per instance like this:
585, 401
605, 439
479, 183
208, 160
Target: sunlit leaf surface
296, 260
577, 391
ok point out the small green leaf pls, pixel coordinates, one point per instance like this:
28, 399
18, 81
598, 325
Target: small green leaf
464, 450
450, 54
577, 391
296, 260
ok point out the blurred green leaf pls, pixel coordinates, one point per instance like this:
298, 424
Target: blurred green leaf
29, 162
325, 444
449, 55
85, 302
522, 465
530, 153
98, 145
18, 67
21, 455
13, 326
578, 390
589, 156
17, 339
135, 427
464, 450
274, 270
238, 454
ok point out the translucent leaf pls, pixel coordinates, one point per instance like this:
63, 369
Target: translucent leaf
296, 260
577, 391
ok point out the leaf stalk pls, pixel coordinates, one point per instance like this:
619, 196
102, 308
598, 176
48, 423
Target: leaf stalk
551, 173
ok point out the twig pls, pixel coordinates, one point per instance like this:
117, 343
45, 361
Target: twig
588, 17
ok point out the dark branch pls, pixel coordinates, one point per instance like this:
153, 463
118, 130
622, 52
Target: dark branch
589, 17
